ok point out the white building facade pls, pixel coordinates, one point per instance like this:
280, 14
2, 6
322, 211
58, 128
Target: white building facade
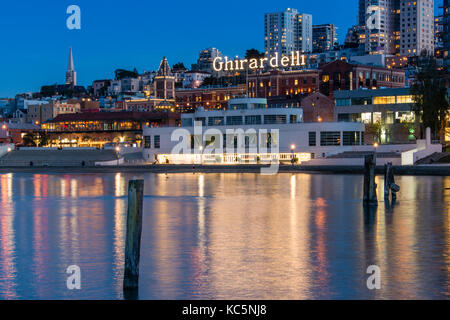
248, 132
288, 31
417, 27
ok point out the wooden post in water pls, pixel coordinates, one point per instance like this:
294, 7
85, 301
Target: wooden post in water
370, 187
389, 182
133, 237
387, 188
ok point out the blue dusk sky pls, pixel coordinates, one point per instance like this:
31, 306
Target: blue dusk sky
126, 34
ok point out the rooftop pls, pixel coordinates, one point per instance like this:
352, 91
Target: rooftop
112, 116
371, 93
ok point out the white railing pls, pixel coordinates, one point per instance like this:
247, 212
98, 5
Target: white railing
230, 159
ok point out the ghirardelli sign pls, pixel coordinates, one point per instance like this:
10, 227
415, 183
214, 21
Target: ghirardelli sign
295, 59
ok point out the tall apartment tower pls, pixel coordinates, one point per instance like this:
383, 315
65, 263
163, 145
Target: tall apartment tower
288, 31
446, 31
324, 37
71, 74
205, 60
416, 27
381, 23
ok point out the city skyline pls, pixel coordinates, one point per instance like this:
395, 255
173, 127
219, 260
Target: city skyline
36, 53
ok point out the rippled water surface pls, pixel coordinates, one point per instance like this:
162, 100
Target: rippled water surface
224, 236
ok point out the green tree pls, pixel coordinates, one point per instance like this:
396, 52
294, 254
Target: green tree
430, 96
178, 67
122, 74
374, 130
29, 140
253, 54
43, 139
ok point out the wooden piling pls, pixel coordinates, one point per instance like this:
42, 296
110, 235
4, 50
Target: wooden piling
133, 237
389, 182
387, 188
370, 187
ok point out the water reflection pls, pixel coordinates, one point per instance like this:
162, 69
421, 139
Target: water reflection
223, 236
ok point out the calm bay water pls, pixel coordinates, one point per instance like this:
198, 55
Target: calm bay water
224, 236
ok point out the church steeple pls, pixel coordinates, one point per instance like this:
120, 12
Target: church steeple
71, 74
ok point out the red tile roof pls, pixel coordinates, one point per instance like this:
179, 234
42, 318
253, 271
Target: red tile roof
115, 116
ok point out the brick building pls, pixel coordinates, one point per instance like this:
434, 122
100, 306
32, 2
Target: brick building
340, 75
282, 83
317, 107
211, 98
14, 132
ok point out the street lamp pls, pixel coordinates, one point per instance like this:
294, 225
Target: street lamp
292, 153
117, 155
201, 154
375, 145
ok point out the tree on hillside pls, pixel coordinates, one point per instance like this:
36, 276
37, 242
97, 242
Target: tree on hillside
179, 67
122, 74
430, 96
29, 140
254, 54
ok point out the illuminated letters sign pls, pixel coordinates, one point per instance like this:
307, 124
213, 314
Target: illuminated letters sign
294, 60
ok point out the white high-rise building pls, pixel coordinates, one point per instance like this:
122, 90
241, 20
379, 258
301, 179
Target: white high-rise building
288, 31
71, 74
380, 21
416, 27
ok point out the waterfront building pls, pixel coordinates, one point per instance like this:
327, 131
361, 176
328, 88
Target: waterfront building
417, 27
282, 83
288, 31
258, 134
325, 37
41, 113
215, 97
71, 74
389, 109
14, 132
340, 75
100, 128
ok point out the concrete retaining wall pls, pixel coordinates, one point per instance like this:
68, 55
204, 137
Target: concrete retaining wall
5, 148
